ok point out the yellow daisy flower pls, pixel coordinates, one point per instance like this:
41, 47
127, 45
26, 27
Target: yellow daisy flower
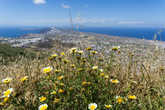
89, 83
80, 52
24, 78
132, 97
62, 53
53, 93
108, 106
61, 84
47, 69
115, 81
89, 48
115, 48
42, 99
43, 107
57, 71
53, 56
95, 67
60, 91
102, 74
119, 99
8, 92
72, 66
5, 99
7, 80
93, 52
60, 77
84, 83
92, 106
73, 50
106, 76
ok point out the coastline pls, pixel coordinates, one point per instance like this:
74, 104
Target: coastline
54, 33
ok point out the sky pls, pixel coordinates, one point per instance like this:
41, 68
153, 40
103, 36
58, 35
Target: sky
99, 13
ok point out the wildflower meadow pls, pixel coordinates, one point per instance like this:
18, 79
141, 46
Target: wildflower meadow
82, 79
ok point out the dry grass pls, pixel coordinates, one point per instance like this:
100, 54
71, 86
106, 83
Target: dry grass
79, 79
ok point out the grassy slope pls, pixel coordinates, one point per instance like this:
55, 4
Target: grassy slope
80, 85
8, 53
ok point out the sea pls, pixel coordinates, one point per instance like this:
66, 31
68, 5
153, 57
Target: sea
135, 32
15, 32
141, 33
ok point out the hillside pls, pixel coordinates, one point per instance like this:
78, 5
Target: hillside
83, 70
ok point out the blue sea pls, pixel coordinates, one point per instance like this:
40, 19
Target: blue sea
13, 32
142, 33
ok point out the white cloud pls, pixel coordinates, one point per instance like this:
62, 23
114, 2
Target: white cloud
65, 6
131, 22
39, 1
92, 20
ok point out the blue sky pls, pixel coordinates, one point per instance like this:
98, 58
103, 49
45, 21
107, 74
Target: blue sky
85, 12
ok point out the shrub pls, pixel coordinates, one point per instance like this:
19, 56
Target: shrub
8, 53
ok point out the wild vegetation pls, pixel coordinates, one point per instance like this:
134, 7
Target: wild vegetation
8, 53
81, 79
